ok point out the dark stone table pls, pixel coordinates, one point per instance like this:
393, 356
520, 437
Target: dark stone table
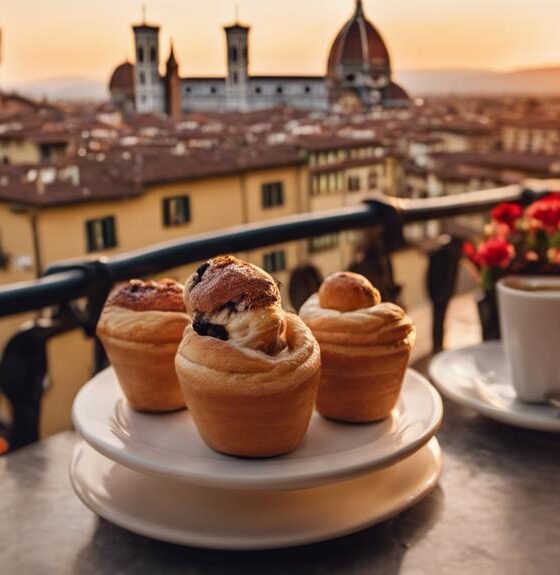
496, 510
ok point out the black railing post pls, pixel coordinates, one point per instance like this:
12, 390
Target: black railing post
23, 372
443, 265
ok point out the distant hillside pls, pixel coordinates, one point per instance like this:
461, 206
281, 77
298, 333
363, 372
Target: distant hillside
72, 88
531, 81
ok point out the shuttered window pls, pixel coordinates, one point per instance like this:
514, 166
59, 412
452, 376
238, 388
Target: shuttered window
272, 194
101, 234
274, 261
176, 211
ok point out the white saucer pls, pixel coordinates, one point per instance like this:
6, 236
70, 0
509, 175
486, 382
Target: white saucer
478, 377
178, 512
170, 446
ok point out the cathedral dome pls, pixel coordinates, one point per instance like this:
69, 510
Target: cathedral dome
357, 45
122, 79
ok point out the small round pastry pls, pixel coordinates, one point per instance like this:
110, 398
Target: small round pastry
347, 291
365, 348
248, 370
140, 327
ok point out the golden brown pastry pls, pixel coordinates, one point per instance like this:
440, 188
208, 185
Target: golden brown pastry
249, 371
365, 347
140, 327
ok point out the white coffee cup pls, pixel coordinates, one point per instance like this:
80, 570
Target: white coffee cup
530, 325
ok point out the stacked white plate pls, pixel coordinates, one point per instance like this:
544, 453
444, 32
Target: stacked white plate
153, 474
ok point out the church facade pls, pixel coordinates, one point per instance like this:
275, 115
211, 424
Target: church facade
358, 77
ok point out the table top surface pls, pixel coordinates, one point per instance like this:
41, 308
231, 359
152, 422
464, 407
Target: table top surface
496, 510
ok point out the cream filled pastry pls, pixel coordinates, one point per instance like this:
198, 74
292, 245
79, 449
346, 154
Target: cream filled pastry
248, 370
365, 347
140, 327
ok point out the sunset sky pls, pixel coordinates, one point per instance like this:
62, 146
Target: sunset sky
88, 38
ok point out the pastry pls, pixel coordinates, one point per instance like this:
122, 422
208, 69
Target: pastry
248, 370
140, 327
365, 347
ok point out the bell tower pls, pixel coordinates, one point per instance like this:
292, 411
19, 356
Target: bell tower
149, 96
172, 86
237, 81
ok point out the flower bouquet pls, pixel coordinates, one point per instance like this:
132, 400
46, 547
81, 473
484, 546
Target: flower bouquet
520, 241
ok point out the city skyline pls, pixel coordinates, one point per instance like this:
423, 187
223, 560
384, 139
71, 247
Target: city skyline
86, 40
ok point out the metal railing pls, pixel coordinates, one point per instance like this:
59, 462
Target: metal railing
23, 365
70, 281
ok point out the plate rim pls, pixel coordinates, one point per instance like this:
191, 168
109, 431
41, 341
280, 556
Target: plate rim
512, 418
420, 490
294, 481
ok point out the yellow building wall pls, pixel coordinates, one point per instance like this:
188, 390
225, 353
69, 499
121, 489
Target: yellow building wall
410, 267
252, 183
214, 204
16, 240
20, 152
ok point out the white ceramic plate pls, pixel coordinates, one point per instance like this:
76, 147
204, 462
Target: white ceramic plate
478, 377
170, 446
178, 512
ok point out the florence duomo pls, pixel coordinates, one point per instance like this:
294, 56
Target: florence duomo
358, 77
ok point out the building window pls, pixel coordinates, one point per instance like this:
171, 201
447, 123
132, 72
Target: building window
258, 90
323, 243
142, 78
350, 77
176, 211
340, 181
315, 186
101, 234
332, 182
153, 55
372, 179
235, 77
155, 77
46, 152
234, 54
140, 54
354, 183
213, 90
307, 89
279, 90
272, 194
188, 90
274, 261
323, 182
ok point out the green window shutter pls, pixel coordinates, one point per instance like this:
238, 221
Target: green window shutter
109, 232
166, 212
90, 236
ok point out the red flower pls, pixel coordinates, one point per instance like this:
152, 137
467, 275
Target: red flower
469, 251
546, 211
495, 253
507, 214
